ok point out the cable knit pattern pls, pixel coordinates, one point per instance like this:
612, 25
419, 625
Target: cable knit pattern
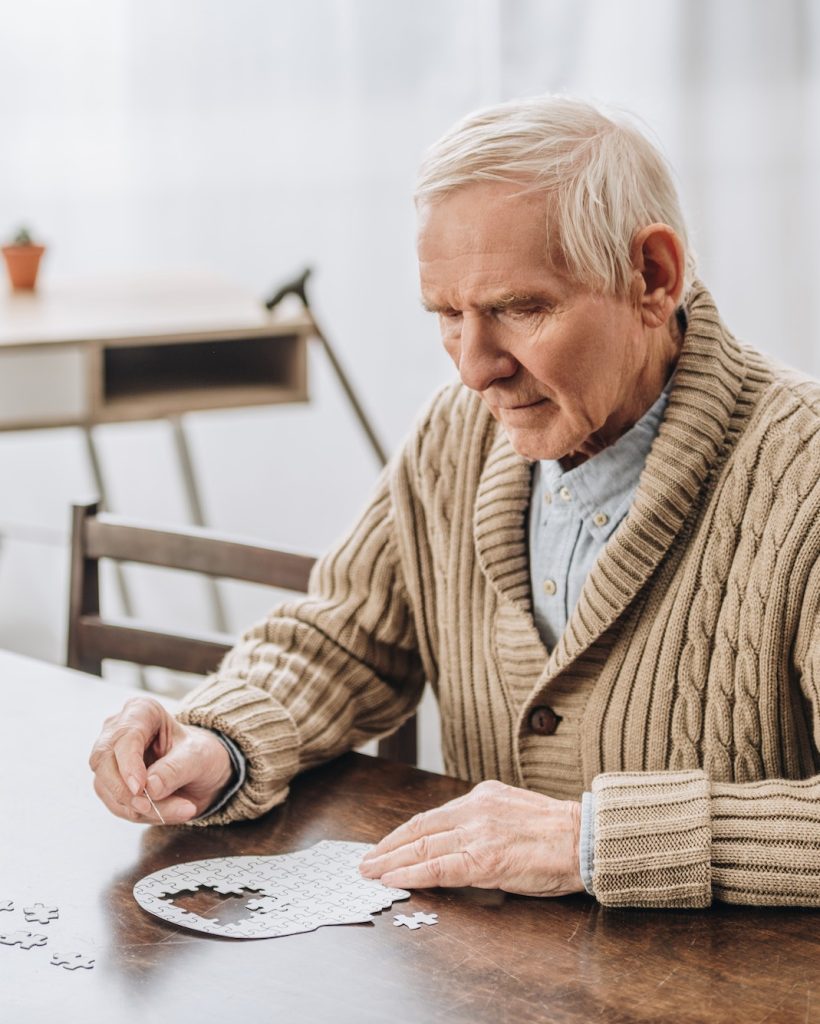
687, 681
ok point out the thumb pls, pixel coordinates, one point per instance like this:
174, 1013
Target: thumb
178, 768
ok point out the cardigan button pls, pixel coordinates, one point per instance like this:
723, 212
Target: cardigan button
543, 721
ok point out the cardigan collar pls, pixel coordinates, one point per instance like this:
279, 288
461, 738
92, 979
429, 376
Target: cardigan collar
705, 387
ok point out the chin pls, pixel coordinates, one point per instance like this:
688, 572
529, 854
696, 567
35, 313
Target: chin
533, 445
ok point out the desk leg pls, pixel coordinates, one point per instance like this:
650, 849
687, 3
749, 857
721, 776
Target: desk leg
186, 466
119, 573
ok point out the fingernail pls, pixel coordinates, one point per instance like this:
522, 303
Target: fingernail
154, 786
133, 785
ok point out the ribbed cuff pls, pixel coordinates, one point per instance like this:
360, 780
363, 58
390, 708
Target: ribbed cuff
263, 731
652, 839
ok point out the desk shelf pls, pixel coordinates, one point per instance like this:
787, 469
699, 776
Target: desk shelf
142, 379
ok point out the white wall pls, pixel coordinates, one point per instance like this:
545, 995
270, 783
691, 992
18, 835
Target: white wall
253, 137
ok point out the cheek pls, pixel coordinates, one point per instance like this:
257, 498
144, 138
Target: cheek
451, 348
570, 364
451, 340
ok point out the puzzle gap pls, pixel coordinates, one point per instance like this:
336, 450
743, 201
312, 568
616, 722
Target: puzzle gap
215, 906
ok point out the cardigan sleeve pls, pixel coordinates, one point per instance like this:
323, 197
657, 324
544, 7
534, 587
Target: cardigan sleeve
320, 674
675, 839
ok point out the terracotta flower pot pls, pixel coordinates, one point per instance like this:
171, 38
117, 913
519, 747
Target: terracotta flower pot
23, 262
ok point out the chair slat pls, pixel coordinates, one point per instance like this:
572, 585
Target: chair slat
143, 646
196, 551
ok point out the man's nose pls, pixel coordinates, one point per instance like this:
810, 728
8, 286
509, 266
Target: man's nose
482, 356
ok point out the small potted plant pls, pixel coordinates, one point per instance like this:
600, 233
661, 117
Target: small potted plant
23, 260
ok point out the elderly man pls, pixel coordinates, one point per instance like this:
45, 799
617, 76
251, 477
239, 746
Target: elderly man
601, 547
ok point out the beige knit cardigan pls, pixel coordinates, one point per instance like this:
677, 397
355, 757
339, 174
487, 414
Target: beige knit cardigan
687, 680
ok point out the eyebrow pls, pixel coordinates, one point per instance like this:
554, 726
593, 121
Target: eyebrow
506, 300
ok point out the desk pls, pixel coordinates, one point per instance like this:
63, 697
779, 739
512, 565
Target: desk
490, 958
112, 349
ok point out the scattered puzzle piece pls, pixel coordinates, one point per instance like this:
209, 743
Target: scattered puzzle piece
6, 905
416, 921
23, 939
71, 961
41, 913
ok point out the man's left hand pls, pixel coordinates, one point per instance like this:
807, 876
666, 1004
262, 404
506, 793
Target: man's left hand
495, 837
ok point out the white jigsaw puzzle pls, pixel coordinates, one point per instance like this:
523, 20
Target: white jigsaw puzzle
290, 893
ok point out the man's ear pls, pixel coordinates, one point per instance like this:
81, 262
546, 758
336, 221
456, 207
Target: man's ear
657, 258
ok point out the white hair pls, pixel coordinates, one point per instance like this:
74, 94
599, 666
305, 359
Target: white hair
603, 179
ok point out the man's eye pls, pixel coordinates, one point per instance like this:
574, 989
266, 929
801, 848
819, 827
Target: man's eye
522, 312
450, 314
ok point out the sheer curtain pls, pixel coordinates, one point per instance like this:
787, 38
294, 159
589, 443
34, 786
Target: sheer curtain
254, 137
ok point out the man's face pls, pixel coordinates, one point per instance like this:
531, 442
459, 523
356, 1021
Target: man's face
556, 363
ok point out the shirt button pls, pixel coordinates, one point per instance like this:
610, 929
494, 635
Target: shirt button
543, 721
600, 519
549, 587
566, 494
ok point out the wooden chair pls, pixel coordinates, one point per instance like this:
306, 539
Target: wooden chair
92, 638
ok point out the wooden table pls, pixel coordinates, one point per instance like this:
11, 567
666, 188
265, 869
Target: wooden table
490, 958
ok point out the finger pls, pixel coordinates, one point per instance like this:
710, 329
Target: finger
107, 779
439, 819
175, 810
420, 850
142, 721
453, 869
115, 806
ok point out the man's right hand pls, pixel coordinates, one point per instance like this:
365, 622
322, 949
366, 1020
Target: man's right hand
183, 767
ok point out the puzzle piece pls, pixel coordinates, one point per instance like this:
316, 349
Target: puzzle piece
40, 913
23, 939
6, 905
267, 904
416, 921
71, 961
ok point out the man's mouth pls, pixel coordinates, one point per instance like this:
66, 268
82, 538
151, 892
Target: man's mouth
525, 405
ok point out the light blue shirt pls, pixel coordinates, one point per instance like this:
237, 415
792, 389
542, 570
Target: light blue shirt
574, 512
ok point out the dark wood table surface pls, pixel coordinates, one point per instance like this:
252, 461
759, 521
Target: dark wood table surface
490, 958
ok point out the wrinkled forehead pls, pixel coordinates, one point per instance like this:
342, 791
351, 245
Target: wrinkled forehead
489, 217
484, 234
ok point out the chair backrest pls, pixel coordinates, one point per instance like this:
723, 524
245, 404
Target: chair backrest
92, 638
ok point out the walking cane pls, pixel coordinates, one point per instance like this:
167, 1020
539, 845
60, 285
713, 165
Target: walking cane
297, 287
